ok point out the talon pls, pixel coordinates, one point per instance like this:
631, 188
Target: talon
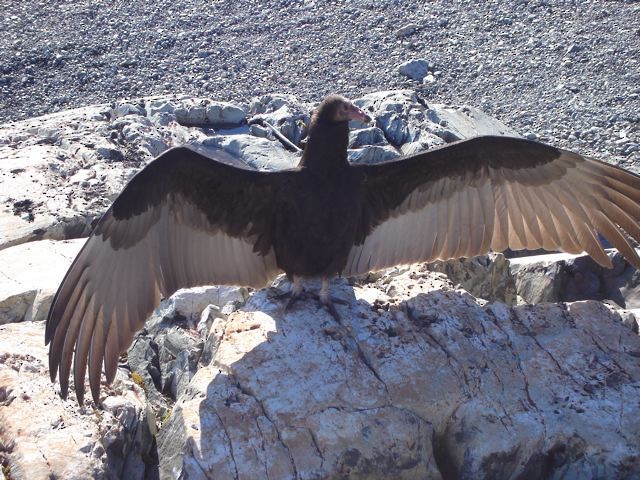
328, 304
293, 298
293, 295
327, 301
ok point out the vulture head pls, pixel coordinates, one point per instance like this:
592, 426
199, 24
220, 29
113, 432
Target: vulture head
338, 109
326, 144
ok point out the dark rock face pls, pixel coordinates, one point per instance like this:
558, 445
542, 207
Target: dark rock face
568, 278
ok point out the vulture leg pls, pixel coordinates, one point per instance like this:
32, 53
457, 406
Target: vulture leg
327, 301
293, 295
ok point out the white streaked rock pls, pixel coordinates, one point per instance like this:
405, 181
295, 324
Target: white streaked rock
30, 275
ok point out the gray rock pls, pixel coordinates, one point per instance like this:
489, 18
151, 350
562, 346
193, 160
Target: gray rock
488, 277
538, 282
204, 112
273, 102
406, 30
631, 318
395, 128
29, 277
109, 152
567, 278
366, 136
166, 352
160, 107
574, 48
405, 118
429, 79
189, 303
372, 154
179, 354
415, 69
213, 326
39, 427
419, 370
124, 109
258, 153
284, 112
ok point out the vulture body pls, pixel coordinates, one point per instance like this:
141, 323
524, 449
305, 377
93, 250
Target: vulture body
188, 220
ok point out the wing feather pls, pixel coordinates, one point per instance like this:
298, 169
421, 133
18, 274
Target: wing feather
475, 233
443, 231
487, 202
184, 220
500, 237
532, 223
517, 236
550, 240
494, 193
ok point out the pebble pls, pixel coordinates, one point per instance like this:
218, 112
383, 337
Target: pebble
429, 78
407, 30
415, 69
573, 48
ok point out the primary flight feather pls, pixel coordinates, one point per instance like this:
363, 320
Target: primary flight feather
188, 220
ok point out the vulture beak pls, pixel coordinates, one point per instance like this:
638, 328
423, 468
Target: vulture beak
356, 113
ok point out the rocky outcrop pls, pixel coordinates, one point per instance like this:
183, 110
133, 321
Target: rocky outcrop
30, 275
420, 379
488, 276
427, 383
44, 437
567, 278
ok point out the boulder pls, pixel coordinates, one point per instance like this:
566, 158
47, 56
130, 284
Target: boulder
366, 136
203, 112
415, 69
488, 277
565, 278
44, 437
372, 154
419, 380
255, 152
166, 352
30, 275
284, 112
405, 118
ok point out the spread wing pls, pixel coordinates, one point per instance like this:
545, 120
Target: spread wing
184, 220
493, 193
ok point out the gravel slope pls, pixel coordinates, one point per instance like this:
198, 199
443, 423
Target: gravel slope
566, 72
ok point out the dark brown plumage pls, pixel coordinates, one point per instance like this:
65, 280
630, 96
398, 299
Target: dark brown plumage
189, 220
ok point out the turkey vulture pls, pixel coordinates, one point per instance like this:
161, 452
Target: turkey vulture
188, 220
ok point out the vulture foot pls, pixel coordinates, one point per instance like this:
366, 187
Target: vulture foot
293, 298
324, 299
327, 302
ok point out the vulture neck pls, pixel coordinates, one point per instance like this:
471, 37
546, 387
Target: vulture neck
326, 148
